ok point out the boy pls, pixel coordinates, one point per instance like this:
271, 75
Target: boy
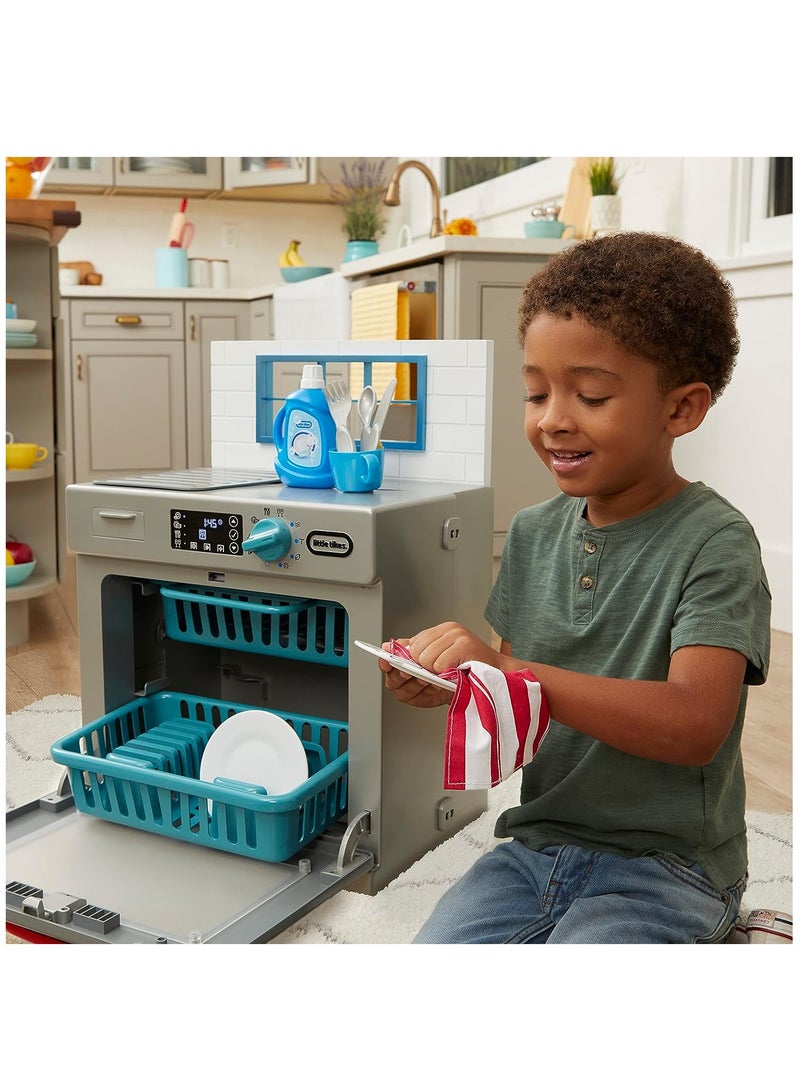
639, 602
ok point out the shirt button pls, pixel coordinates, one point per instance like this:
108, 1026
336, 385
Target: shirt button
587, 583
590, 547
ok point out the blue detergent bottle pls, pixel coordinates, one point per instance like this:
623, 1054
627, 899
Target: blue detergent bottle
305, 434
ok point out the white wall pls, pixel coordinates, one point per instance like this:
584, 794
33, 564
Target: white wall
120, 236
744, 447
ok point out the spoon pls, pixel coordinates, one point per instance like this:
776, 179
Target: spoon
366, 409
371, 440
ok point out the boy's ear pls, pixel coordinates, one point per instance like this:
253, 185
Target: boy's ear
688, 407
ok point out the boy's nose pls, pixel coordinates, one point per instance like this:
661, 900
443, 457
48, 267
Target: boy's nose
555, 419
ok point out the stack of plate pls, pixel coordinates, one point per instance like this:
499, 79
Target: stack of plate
19, 333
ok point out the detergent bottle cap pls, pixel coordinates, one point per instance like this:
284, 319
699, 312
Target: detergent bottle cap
312, 377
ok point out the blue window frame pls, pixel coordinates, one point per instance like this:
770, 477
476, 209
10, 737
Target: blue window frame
268, 402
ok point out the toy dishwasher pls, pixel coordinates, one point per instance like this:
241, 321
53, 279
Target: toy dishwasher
184, 624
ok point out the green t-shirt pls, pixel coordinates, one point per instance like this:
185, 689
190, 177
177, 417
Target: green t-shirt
618, 601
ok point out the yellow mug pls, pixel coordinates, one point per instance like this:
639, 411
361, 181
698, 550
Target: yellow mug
21, 456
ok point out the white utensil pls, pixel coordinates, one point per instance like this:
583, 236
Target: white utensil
372, 438
366, 410
339, 402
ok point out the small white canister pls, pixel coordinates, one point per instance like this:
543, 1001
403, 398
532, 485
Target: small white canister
199, 272
220, 273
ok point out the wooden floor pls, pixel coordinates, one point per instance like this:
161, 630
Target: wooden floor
49, 664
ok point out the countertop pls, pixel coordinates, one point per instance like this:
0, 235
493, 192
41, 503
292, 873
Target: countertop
421, 251
424, 250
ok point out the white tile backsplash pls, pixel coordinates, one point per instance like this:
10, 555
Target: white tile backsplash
458, 432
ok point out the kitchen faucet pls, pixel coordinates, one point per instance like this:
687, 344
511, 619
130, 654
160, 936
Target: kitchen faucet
393, 192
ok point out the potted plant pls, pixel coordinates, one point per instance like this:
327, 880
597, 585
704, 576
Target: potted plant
360, 194
606, 204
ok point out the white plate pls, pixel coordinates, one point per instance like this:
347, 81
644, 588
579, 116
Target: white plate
407, 666
256, 747
20, 325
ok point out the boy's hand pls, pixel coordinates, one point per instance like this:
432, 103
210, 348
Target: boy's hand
438, 649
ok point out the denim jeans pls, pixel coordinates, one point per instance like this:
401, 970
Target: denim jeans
567, 894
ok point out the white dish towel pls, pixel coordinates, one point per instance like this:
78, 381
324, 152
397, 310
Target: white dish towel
495, 723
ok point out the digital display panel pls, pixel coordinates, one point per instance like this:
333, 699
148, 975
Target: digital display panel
206, 531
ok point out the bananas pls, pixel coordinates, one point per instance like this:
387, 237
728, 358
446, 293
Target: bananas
290, 255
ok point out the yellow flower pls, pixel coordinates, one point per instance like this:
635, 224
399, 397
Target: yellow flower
461, 226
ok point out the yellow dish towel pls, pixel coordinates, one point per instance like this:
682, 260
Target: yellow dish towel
382, 312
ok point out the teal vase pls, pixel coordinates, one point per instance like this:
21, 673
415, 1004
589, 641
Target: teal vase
360, 248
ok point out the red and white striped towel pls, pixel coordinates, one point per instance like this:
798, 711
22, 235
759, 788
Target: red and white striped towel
495, 723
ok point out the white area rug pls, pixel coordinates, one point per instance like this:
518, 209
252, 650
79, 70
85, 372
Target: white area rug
395, 914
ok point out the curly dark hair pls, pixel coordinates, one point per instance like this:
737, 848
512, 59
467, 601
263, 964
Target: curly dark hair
654, 295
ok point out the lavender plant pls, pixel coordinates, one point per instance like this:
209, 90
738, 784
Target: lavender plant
360, 193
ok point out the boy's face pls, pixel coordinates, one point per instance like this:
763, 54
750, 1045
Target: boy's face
596, 417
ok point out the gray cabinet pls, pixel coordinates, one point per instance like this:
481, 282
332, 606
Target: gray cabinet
206, 321
480, 300
140, 380
478, 296
129, 407
128, 387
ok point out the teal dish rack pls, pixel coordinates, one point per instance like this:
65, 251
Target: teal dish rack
138, 766
312, 630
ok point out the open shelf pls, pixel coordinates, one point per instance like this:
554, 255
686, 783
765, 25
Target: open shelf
15, 477
32, 588
28, 355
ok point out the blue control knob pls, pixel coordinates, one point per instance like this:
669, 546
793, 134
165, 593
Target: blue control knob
270, 539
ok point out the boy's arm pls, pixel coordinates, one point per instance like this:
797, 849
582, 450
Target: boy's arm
682, 721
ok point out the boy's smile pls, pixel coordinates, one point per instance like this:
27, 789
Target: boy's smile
596, 417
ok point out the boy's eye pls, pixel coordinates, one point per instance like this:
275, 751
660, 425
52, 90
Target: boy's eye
539, 399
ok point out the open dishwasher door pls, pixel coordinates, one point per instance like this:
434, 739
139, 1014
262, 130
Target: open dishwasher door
78, 879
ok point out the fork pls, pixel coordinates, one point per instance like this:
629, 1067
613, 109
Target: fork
337, 395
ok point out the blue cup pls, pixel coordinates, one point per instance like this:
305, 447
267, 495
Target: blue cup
357, 471
11, 309
172, 267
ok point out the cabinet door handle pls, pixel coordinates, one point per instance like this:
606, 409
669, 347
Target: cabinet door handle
192, 328
128, 319
79, 368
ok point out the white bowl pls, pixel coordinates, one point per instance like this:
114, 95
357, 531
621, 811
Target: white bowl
20, 325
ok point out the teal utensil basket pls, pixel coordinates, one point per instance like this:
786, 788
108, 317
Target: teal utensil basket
138, 766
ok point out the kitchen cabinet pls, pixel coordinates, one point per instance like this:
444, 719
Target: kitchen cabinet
88, 173
252, 178
140, 381
206, 321
267, 170
478, 294
31, 411
126, 174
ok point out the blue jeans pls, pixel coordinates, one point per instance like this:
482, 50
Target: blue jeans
567, 894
